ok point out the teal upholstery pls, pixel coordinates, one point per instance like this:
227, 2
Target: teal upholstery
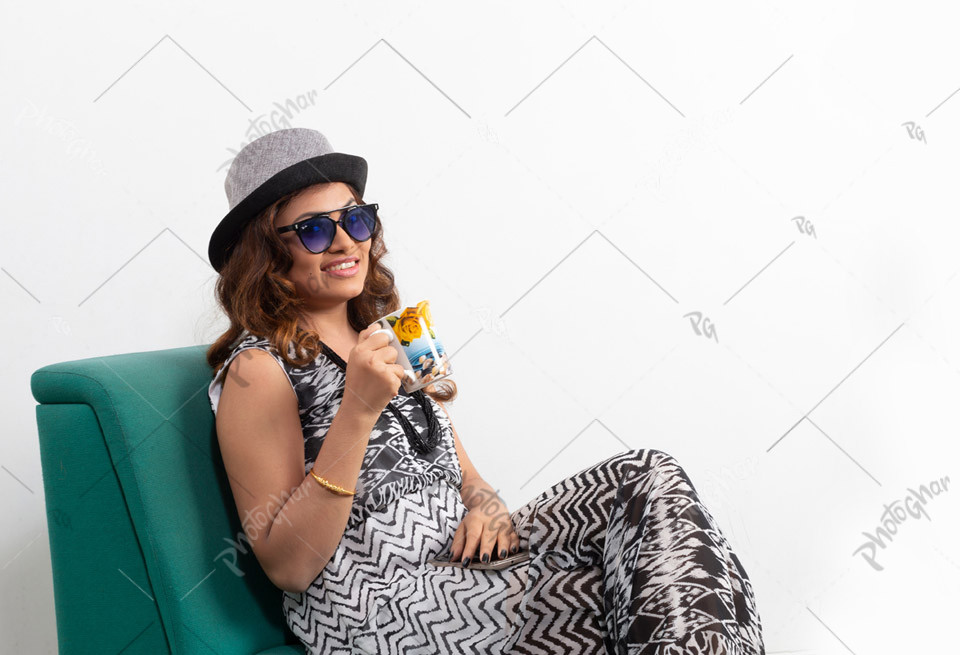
145, 540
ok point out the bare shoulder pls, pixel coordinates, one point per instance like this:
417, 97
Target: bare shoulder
261, 442
255, 387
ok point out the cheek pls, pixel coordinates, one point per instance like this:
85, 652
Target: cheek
305, 273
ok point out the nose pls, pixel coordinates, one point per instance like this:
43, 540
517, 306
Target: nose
341, 240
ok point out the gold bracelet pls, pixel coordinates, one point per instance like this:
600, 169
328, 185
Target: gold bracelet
333, 487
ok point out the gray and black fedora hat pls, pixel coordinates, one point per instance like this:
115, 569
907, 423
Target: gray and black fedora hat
270, 167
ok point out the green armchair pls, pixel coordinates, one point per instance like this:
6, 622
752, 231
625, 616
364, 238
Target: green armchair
147, 549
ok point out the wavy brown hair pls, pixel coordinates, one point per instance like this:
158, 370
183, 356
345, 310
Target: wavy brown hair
256, 296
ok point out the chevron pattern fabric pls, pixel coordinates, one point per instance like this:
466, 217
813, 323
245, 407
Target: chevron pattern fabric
624, 556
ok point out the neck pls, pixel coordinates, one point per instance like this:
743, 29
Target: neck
331, 323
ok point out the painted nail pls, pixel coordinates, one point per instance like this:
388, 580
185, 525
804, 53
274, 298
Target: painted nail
513, 549
503, 552
466, 560
485, 557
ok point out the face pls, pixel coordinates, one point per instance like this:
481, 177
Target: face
324, 290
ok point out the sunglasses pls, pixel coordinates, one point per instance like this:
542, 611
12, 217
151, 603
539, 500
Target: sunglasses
318, 231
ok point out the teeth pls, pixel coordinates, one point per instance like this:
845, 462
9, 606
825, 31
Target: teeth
340, 267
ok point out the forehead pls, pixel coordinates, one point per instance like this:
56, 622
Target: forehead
317, 198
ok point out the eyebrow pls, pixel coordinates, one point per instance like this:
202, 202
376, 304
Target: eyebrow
349, 202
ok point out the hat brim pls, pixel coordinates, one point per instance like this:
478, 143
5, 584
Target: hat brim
331, 167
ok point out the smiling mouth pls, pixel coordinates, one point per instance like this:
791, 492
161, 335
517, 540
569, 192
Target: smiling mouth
343, 266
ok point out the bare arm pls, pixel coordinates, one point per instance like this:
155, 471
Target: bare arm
492, 528
475, 489
293, 523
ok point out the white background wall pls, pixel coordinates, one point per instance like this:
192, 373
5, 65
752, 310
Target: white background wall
697, 227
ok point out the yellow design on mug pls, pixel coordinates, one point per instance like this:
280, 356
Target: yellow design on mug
408, 326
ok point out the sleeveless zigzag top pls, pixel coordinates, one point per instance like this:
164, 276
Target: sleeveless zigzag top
391, 466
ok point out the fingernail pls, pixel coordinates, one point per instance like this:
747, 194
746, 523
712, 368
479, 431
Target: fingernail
486, 557
513, 549
466, 560
503, 552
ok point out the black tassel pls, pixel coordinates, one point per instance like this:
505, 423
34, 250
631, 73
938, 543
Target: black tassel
424, 447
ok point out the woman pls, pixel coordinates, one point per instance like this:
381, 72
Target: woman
362, 483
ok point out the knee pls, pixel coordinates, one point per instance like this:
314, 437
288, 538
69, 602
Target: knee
654, 458
658, 462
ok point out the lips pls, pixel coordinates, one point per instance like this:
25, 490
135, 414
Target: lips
339, 261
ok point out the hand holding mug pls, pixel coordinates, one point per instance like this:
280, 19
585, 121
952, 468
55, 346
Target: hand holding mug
373, 376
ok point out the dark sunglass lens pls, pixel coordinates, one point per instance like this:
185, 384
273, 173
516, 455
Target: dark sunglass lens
359, 222
317, 234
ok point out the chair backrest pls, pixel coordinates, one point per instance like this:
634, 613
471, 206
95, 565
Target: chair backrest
147, 549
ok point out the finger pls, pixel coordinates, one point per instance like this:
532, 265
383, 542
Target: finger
385, 355
514, 543
487, 543
471, 544
399, 371
457, 546
503, 544
367, 331
390, 355
511, 537
381, 336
